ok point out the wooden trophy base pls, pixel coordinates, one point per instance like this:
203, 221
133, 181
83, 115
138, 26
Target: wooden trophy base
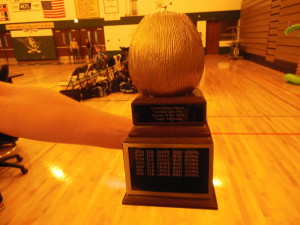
162, 201
168, 155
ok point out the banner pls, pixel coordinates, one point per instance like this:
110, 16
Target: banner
34, 48
31, 6
87, 9
111, 6
111, 10
4, 12
26, 26
23, 1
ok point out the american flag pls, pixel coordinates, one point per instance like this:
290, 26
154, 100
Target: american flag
54, 9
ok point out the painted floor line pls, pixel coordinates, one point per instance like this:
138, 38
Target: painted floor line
257, 134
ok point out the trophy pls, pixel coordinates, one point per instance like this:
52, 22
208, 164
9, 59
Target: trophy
168, 155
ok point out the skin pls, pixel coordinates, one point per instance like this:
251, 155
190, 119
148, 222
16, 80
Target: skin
45, 115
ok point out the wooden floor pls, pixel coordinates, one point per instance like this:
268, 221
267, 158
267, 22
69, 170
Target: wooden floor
254, 117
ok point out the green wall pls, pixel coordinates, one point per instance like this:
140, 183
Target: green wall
69, 24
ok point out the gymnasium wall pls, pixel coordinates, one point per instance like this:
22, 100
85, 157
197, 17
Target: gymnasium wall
118, 18
20, 11
262, 32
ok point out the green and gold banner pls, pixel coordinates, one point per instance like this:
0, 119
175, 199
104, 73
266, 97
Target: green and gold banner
34, 48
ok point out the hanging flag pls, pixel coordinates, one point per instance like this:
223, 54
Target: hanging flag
54, 9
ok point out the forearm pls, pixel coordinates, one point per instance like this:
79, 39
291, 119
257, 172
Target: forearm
42, 114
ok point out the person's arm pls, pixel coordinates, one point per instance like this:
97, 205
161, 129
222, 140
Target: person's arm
45, 115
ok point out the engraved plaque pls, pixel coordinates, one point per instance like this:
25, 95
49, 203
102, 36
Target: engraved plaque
182, 110
180, 167
179, 170
169, 113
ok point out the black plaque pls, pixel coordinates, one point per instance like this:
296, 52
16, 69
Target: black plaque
169, 113
179, 170
179, 110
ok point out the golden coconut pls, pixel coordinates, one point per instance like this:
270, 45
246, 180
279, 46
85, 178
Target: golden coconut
166, 56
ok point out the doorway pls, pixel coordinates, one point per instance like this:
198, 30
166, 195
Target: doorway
94, 35
213, 30
63, 38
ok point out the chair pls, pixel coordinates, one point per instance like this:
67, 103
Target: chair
76, 73
8, 143
4, 71
8, 146
84, 68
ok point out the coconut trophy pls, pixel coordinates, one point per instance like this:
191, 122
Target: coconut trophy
168, 155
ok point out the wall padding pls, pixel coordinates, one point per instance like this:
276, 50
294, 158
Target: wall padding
262, 30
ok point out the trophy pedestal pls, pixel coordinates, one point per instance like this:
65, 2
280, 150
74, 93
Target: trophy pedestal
197, 203
168, 155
